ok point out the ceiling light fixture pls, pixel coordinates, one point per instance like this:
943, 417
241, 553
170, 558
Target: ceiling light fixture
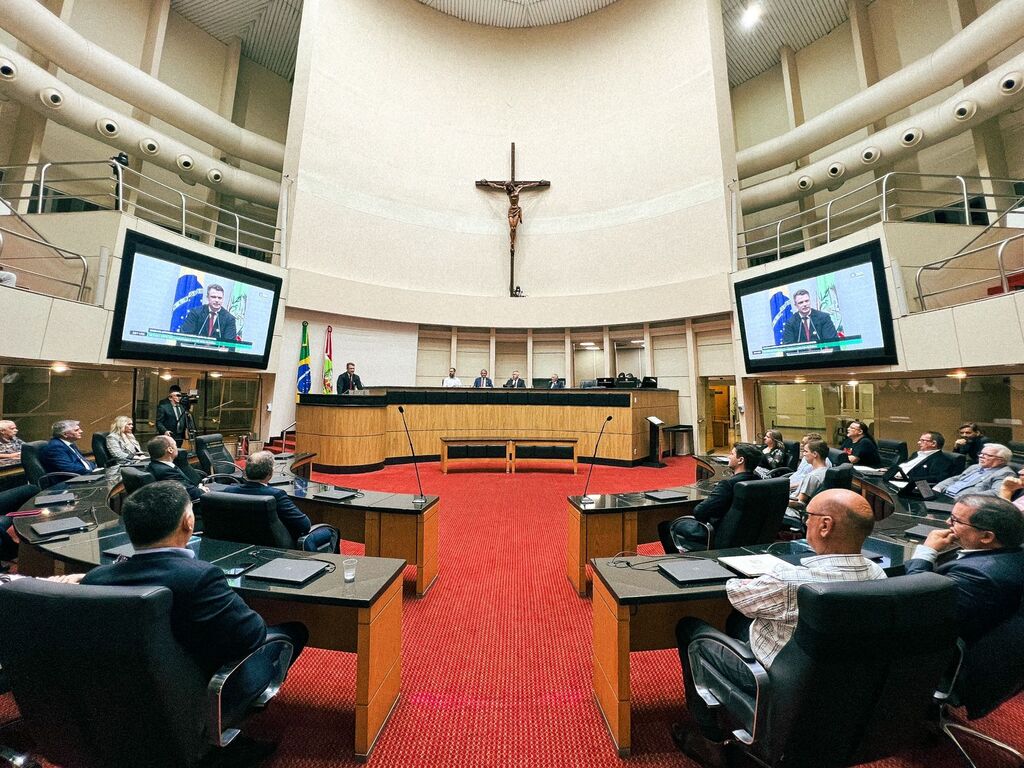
751, 16
59, 367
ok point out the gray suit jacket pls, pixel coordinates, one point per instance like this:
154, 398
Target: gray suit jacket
985, 483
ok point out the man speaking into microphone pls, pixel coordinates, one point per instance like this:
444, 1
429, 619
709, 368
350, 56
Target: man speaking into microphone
211, 319
807, 324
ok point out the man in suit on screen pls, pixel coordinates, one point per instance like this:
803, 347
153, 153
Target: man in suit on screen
808, 324
212, 319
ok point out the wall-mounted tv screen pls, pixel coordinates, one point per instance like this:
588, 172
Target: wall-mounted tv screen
177, 305
833, 312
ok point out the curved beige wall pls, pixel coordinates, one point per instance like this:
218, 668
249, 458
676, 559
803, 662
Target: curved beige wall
397, 109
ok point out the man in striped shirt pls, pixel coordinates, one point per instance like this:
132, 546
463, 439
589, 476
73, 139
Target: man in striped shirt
838, 522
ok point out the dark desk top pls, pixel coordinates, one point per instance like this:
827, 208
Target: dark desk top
384, 396
624, 502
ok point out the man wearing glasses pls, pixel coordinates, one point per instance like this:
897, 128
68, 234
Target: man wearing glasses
929, 463
989, 569
983, 478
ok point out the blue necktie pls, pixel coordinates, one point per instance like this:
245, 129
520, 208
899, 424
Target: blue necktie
80, 457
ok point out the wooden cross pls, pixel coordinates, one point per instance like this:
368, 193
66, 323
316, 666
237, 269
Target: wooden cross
512, 188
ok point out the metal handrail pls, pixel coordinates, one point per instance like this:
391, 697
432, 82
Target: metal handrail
939, 263
222, 218
64, 253
883, 212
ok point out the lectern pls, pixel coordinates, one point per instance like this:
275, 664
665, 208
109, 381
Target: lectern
654, 456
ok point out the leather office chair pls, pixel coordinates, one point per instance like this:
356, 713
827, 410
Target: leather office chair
892, 451
134, 478
754, 518
33, 467
99, 450
252, 519
100, 680
214, 457
837, 456
988, 675
12, 500
792, 454
840, 476
853, 685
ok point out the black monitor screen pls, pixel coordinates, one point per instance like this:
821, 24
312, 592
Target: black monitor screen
179, 306
831, 312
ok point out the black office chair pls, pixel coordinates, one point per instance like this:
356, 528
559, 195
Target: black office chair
840, 476
214, 457
855, 682
99, 450
100, 680
134, 478
988, 674
33, 467
754, 518
12, 500
252, 519
892, 451
1017, 449
838, 456
792, 454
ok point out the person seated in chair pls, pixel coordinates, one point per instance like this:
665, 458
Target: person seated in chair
970, 441
859, 446
985, 477
212, 623
929, 463
482, 381
514, 382
258, 471
804, 467
744, 458
989, 571
162, 452
122, 445
10, 444
61, 454
838, 522
815, 452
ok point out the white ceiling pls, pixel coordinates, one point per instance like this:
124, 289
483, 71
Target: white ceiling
269, 29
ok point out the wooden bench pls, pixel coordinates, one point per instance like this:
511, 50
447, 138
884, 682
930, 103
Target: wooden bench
510, 449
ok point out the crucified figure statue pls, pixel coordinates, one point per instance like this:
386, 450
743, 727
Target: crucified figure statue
512, 188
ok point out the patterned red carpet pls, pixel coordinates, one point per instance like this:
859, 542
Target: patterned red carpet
496, 658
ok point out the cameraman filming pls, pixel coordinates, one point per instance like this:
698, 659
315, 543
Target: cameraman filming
173, 417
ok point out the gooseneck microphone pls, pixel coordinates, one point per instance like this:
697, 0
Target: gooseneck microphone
585, 500
421, 499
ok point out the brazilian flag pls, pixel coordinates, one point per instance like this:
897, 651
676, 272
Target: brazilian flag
304, 379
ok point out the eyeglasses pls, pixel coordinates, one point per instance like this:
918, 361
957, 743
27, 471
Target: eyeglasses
989, 456
817, 514
957, 521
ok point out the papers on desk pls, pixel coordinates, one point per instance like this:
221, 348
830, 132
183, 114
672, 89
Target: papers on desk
753, 565
868, 470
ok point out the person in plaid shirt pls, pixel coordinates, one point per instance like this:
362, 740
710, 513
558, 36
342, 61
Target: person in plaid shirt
838, 522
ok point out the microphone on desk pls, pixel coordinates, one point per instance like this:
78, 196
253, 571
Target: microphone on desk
584, 500
421, 499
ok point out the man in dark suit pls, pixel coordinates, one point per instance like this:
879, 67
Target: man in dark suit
930, 462
989, 571
807, 324
258, 471
211, 622
482, 380
556, 383
515, 382
211, 319
162, 452
744, 458
349, 380
970, 441
61, 454
170, 416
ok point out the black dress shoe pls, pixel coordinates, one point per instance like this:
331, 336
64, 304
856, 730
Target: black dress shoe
693, 744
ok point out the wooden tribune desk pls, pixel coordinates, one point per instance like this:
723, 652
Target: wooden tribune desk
604, 525
360, 432
363, 617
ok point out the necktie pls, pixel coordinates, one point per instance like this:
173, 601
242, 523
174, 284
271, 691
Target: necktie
177, 415
807, 329
81, 458
209, 328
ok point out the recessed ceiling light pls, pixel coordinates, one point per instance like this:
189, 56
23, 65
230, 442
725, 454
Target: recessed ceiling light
957, 375
751, 16
215, 374
59, 367
852, 382
166, 376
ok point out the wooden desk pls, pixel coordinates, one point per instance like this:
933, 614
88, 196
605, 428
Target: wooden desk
604, 525
357, 433
478, 449
551, 442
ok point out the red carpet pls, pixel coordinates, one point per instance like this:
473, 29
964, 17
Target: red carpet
496, 658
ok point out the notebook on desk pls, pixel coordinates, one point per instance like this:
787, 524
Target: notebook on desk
334, 494
287, 570
687, 572
666, 496
54, 527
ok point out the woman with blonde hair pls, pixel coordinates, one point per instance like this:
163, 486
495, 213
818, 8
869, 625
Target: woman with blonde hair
121, 443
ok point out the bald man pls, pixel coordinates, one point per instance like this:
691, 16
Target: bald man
838, 522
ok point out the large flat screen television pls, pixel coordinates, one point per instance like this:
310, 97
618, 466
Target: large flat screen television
176, 305
833, 312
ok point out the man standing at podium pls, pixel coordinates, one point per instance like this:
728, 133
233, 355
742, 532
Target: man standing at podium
349, 381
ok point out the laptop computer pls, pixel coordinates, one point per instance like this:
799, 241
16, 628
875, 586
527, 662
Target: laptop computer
54, 498
334, 494
895, 472
686, 572
286, 570
79, 479
665, 495
53, 527
921, 530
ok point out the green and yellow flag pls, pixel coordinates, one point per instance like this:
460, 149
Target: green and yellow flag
303, 379
328, 364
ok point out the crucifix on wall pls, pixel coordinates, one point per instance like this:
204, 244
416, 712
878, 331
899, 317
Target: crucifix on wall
512, 188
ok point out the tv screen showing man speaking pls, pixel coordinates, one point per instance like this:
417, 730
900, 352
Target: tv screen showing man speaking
175, 304
832, 312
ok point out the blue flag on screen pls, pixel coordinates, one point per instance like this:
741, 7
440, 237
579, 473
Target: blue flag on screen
188, 294
781, 311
